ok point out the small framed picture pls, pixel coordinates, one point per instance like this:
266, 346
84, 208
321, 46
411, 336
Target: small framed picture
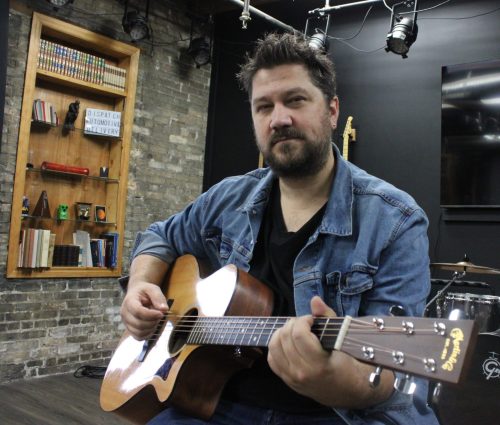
100, 213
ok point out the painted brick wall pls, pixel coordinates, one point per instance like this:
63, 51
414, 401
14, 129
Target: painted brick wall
50, 326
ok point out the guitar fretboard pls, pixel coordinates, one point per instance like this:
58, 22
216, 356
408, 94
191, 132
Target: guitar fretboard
252, 331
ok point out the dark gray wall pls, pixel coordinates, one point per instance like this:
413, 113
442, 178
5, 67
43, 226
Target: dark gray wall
396, 104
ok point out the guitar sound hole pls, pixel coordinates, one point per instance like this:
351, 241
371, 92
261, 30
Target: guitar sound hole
182, 330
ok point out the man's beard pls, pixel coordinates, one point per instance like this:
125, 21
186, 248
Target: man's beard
302, 161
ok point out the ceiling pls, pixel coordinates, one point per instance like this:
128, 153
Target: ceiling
219, 6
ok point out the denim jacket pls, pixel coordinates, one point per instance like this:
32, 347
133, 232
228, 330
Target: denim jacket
369, 253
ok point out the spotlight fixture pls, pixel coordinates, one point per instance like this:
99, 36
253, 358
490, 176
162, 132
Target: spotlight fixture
319, 39
403, 32
199, 49
59, 3
135, 24
200, 39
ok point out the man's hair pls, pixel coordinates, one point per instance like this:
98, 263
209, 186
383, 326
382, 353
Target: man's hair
283, 49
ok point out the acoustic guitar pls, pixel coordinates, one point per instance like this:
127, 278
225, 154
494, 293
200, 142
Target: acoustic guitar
216, 324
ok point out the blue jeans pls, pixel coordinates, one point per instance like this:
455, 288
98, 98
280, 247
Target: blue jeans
228, 413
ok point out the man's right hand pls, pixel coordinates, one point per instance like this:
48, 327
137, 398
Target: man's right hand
144, 304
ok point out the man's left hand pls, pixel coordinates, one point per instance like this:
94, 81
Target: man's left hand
332, 378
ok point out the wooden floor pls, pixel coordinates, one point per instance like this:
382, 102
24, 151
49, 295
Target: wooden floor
54, 400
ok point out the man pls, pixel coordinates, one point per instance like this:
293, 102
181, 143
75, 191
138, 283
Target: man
325, 236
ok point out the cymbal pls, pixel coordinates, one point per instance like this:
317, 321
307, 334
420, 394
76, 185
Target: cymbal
465, 266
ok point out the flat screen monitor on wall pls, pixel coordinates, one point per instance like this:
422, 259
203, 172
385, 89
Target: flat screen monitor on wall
470, 135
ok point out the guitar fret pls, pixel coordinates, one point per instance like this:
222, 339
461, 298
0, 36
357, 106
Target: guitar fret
203, 330
324, 329
264, 325
235, 332
192, 335
251, 338
259, 337
199, 330
206, 330
242, 331
271, 333
218, 332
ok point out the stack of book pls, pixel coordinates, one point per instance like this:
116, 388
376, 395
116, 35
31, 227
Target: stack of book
44, 112
98, 252
36, 248
114, 77
73, 63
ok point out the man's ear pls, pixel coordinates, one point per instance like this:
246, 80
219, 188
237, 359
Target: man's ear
334, 111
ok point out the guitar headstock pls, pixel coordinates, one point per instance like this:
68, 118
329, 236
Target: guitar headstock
436, 349
348, 135
348, 129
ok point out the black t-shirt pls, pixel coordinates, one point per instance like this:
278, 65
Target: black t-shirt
272, 263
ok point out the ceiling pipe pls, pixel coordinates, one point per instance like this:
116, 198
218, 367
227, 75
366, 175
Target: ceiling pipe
329, 8
265, 16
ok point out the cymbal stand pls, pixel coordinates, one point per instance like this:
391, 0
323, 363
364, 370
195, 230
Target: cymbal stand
439, 297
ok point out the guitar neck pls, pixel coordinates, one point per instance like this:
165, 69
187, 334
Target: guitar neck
255, 331
432, 348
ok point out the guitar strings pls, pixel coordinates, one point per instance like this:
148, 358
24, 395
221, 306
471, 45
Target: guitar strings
235, 325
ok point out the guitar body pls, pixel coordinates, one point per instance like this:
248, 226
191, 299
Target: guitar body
141, 382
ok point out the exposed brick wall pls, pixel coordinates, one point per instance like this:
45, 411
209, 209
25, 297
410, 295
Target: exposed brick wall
50, 326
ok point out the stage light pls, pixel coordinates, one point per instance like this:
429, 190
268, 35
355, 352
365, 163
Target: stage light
199, 49
319, 41
135, 24
59, 3
403, 32
319, 37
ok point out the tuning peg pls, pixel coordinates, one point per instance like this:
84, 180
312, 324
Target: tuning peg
405, 384
374, 378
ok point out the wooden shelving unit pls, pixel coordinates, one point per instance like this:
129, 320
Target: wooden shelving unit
39, 143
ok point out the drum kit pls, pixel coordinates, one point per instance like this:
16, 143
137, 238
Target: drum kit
475, 401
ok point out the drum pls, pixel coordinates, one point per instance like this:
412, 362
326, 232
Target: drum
484, 309
475, 400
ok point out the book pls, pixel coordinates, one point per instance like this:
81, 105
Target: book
33, 248
111, 249
44, 257
97, 251
22, 242
82, 239
27, 248
52, 242
39, 248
